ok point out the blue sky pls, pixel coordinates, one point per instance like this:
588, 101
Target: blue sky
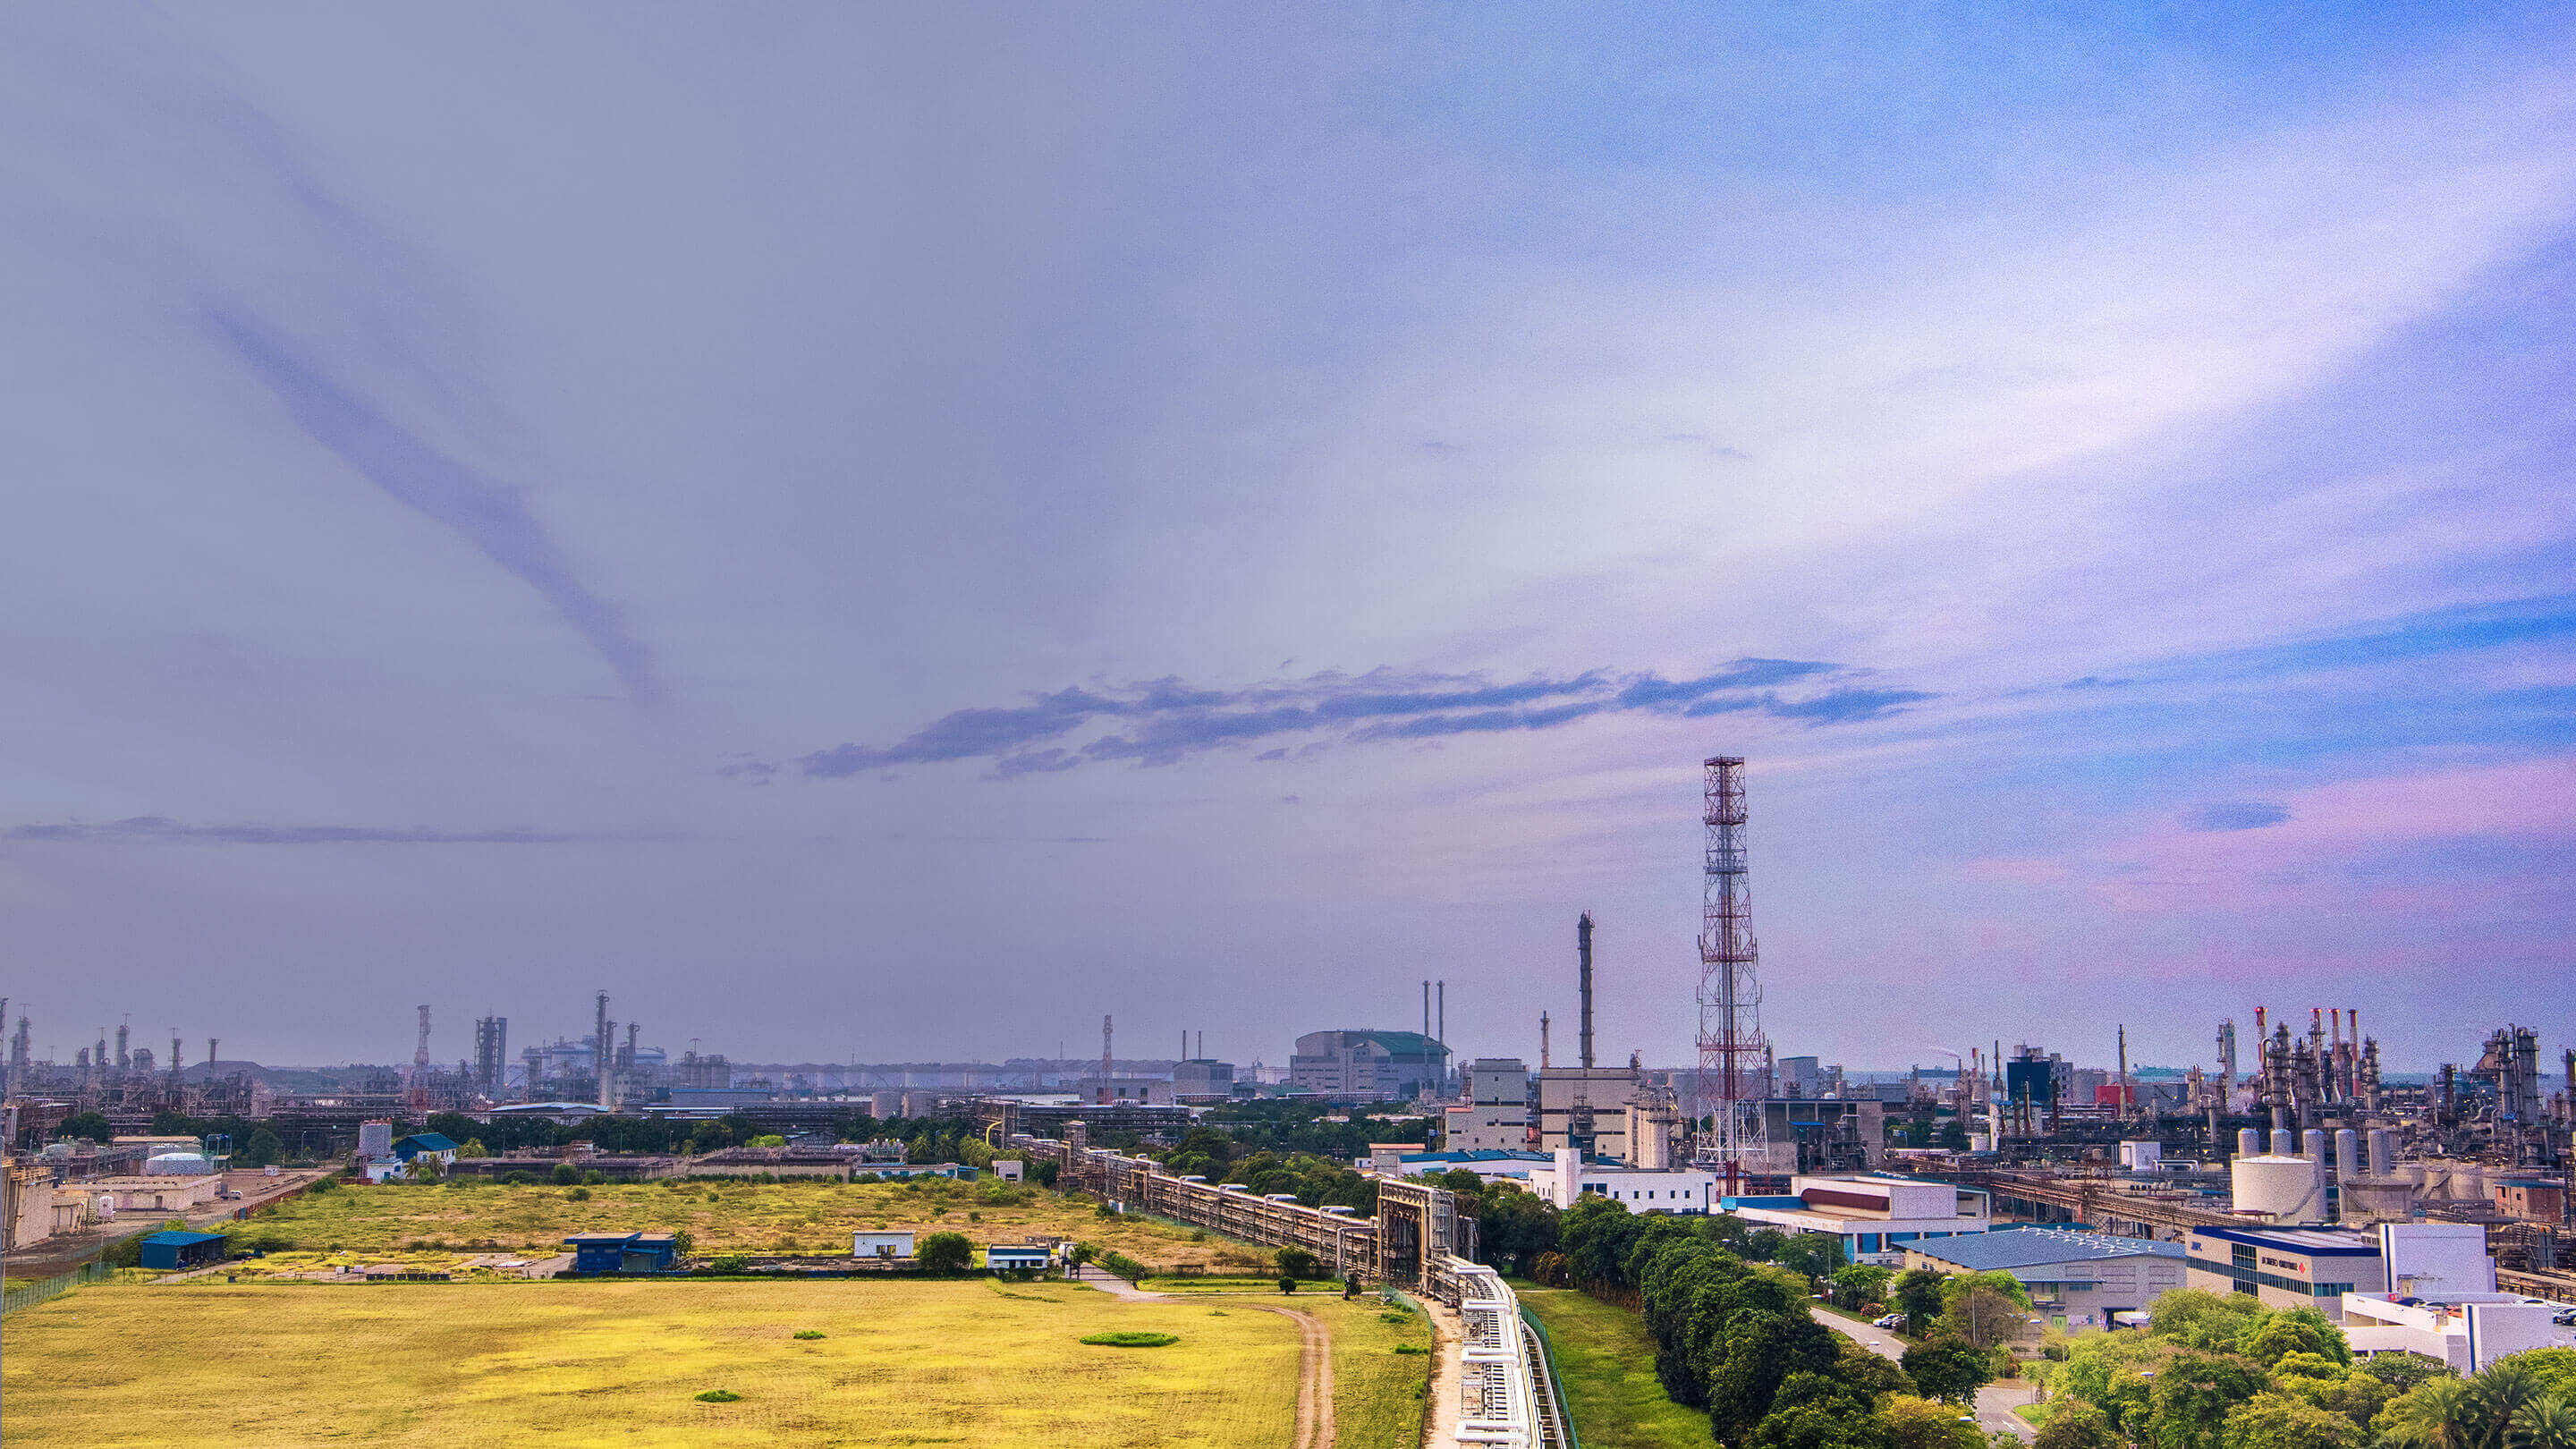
896, 535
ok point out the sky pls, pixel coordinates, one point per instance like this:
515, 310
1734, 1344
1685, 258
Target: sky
895, 532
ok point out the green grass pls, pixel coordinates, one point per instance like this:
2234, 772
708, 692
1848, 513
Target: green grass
1607, 1361
2035, 1415
285, 1366
1129, 1338
431, 1226
1377, 1392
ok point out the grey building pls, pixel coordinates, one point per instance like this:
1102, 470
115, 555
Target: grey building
1368, 1066
2088, 1275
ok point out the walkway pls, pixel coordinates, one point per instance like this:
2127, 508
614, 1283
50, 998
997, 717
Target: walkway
1995, 1402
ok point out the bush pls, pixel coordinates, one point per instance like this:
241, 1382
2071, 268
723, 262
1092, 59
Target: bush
1298, 1263
730, 1263
594, 1179
809, 1333
328, 1184
719, 1396
1129, 1338
946, 1253
518, 1179
566, 1174
1410, 1348
1287, 1285
578, 1194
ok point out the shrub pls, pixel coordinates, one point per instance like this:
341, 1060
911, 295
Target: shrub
518, 1179
578, 1194
730, 1263
566, 1174
809, 1333
719, 1396
1130, 1338
328, 1184
1287, 1285
1410, 1348
946, 1253
1298, 1263
594, 1178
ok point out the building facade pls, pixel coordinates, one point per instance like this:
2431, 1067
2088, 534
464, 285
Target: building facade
2087, 1275
1875, 1214
2286, 1267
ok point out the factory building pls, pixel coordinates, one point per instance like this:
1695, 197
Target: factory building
1568, 1179
1875, 1214
1368, 1066
2087, 1275
2287, 1267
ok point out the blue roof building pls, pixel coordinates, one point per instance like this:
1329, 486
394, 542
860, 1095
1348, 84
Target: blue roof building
174, 1251
436, 1143
2086, 1275
623, 1252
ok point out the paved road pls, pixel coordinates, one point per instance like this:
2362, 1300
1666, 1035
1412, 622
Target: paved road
1995, 1402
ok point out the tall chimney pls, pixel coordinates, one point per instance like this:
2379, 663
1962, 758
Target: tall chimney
1542, 1041
1583, 955
1426, 1006
601, 1052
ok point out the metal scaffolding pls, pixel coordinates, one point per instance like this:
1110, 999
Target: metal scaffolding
1732, 1049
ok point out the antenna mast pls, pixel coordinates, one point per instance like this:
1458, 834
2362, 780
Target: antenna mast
1731, 1044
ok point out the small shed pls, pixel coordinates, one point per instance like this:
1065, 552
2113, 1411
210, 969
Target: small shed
881, 1245
1003, 1257
174, 1251
623, 1252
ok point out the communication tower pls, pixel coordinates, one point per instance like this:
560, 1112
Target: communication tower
1731, 1044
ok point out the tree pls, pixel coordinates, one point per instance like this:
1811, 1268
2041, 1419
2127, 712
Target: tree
945, 1253
1954, 1135
2555, 1368
683, 1243
2546, 1423
1298, 1263
1514, 1225
1815, 1254
1861, 1285
1984, 1317
473, 1148
1948, 1369
2279, 1421
2295, 1330
2075, 1424
2198, 1318
1817, 1411
1914, 1423
1287, 1284
423, 1167
2403, 1371
1918, 1297
1871, 1374
566, 1175
263, 1148
2193, 1395
92, 1126
1756, 1353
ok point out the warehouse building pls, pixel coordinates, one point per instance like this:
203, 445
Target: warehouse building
2087, 1275
1875, 1214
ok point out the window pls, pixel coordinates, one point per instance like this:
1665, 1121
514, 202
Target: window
2241, 1255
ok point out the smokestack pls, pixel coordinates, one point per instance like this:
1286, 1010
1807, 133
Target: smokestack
600, 1051
1583, 955
1106, 1061
1426, 1006
1542, 1041
210, 1058
1443, 1035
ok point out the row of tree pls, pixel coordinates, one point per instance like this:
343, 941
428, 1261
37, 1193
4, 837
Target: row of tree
1734, 1337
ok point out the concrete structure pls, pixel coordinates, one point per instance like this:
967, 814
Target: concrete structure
1149, 1091
2442, 1261
2470, 1333
376, 1139
896, 1246
1199, 1077
2286, 1267
2531, 1199
2089, 1275
175, 1251
1495, 1115
1644, 1190
1875, 1214
623, 1252
1368, 1066
1566, 1093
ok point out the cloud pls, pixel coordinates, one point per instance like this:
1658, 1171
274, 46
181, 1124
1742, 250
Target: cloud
158, 827
2239, 815
1165, 720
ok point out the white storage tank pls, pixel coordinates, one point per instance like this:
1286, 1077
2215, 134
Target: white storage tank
2279, 1189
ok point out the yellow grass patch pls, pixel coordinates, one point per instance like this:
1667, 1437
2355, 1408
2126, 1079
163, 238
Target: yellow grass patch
622, 1363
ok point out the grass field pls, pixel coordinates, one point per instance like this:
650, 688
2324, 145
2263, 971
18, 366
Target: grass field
901, 1362
1607, 1361
430, 1226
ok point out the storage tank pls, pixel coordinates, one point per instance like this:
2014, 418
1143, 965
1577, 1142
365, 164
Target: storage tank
2249, 1143
2279, 1188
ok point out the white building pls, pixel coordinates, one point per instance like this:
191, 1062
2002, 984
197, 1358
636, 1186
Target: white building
1875, 1214
1642, 1189
881, 1245
2441, 1301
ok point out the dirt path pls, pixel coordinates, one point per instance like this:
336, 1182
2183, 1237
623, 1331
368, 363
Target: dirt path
1440, 1426
1314, 1380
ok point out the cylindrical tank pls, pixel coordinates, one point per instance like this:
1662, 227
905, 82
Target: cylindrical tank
2469, 1182
2281, 1145
2249, 1143
2383, 1151
882, 1105
2347, 1153
2312, 1143
2278, 1188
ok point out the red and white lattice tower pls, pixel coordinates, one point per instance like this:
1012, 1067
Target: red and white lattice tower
1733, 1078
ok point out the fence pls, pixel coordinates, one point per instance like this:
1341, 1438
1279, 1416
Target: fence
28, 1295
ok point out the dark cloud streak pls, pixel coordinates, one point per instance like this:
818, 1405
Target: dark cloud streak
1163, 721
158, 827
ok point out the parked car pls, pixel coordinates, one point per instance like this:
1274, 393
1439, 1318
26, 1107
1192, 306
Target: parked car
1893, 1320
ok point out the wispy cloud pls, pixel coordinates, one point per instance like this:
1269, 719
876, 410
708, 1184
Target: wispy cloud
158, 827
1162, 721
2239, 815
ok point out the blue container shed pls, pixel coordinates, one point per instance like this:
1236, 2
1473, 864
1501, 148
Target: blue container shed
173, 1251
623, 1252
